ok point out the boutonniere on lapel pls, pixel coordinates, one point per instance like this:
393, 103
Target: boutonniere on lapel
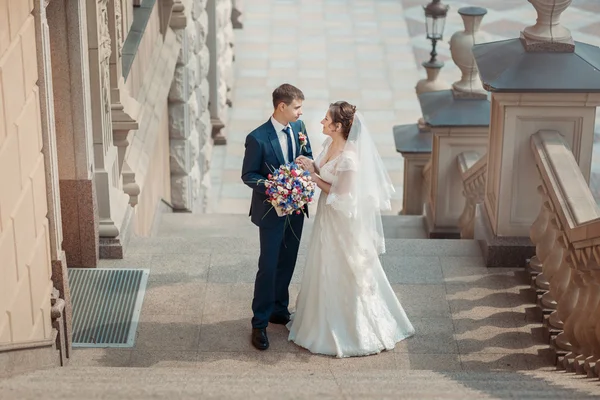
303, 140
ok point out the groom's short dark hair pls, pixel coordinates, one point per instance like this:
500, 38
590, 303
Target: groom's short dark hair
286, 93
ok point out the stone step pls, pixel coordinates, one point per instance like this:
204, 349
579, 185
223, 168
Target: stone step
271, 382
177, 224
225, 248
199, 233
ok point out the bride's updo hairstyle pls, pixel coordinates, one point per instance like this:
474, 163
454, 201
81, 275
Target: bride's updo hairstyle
342, 112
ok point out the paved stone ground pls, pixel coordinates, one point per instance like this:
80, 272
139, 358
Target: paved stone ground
476, 334
202, 268
367, 52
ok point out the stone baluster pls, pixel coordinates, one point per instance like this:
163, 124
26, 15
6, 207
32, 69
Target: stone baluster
465, 221
574, 299
560, 282
474, 189
537, 230
596, 318
593, 345
566, 306
581, 320
552, 264
544, 247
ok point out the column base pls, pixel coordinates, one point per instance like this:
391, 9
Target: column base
436, 232
61, 283
505, 251
114, 248
414, 163
218, 133
79, 212
441, 233
236, 19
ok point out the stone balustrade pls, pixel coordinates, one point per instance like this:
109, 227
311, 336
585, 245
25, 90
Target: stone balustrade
473, 171
566, 269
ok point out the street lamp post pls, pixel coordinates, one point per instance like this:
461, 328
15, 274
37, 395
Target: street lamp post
435, 21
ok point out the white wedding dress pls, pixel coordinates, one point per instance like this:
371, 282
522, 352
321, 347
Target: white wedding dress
346, 306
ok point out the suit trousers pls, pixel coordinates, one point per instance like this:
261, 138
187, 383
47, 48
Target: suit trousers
279, 244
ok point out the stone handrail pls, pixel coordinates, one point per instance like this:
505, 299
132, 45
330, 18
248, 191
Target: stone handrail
473, 171
567, 238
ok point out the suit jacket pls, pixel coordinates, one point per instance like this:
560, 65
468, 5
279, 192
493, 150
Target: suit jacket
263, 155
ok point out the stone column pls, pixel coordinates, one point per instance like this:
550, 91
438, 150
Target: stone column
414, 143
237, 13
71, 90
58, 257
560, 95
458, 119
189, 118
124, 109
219, 67
228, 53
110, 195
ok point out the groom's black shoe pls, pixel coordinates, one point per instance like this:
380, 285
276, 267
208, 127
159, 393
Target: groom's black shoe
260, 339
279, 319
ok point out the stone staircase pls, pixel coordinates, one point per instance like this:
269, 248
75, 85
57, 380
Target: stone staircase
476, 337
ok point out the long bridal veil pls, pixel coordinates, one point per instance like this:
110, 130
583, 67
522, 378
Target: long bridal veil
346, 305
361, 190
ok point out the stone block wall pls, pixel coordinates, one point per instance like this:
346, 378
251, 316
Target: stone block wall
25, 261
189, 118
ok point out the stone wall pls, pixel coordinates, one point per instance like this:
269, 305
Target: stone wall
25, 257
189, 119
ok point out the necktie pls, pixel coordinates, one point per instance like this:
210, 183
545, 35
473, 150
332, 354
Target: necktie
288, 133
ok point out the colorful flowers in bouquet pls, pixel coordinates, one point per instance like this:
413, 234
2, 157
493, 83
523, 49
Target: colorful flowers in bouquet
289, 189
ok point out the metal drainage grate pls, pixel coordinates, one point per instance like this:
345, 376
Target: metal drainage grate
106, 305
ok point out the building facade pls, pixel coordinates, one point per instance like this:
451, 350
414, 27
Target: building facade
107, 115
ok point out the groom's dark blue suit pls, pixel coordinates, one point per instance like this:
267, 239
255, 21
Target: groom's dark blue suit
279, 240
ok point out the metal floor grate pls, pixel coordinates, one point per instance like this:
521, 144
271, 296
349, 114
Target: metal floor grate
106, 305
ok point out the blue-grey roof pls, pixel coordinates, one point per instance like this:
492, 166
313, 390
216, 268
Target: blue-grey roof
505, 66
442, 109
409, 139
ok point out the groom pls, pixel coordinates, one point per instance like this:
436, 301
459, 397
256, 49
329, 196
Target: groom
267, 147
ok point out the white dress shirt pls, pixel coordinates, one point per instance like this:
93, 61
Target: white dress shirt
282, 136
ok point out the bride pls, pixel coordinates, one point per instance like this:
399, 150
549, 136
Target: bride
346, 306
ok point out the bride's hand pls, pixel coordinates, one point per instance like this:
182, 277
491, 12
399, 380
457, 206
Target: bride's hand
306, 164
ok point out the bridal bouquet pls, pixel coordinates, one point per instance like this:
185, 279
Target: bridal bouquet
289, 188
